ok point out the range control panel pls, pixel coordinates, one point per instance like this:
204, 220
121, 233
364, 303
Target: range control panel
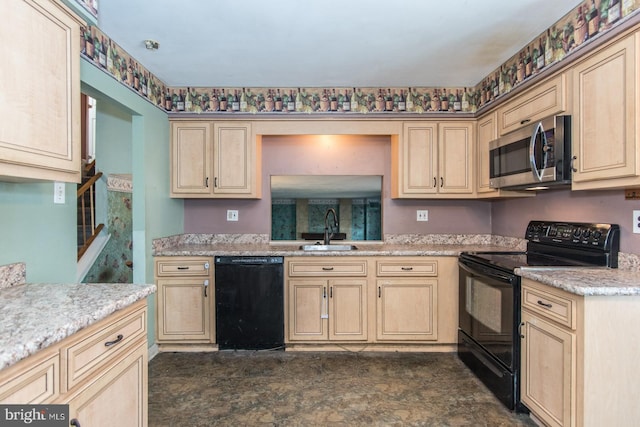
605, 237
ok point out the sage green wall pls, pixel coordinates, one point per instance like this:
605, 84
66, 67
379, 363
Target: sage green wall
154, 213
114, 133
38, 232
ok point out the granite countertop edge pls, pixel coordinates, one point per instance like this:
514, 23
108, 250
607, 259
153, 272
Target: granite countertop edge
38, 315
294, 251
579, 281
598, 281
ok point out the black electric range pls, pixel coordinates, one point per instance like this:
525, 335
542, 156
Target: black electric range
489, 294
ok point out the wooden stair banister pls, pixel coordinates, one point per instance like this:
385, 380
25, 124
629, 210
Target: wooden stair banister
87, 238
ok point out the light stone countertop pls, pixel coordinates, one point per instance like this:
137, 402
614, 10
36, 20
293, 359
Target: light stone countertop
37, 315
586, 281
580, 281
364, 249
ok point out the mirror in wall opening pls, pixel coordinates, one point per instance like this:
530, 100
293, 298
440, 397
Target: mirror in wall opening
299, 204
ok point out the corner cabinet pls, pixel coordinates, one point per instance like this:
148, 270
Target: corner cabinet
40, 103
214, 160
577, 357
606, 134
549, 354
434, 160
185, 302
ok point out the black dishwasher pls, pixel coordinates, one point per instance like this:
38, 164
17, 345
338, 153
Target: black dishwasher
249, 302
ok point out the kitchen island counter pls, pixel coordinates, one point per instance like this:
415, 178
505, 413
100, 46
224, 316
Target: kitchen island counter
37, 315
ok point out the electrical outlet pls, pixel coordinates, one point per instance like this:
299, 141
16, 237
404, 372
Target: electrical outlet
636, 222
58, 193
232, 215
422, 215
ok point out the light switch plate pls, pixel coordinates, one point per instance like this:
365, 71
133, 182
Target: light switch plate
58, 193
636, 222
422, 215
232, 215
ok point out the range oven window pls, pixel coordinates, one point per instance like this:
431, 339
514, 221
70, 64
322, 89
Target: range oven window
484, 304
487, 313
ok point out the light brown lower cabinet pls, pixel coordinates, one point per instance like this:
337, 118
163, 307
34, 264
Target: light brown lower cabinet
548, 370
578, 357
327, 299
407, 309
378, 300
185, 301
118, 397
100, 372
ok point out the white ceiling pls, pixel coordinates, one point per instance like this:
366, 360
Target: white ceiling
326, 43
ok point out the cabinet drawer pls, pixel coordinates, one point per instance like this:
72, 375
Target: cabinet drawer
328, 268
178, 266
407, 268
32, 383
551, 305
546, 99
97, 346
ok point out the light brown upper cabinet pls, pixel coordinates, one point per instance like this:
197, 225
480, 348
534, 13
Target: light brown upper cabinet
434, 160
40, 89
605, 122
487, 132
213, 160
545, 99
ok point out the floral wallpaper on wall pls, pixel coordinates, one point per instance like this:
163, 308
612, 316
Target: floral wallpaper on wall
586, 22
111, 58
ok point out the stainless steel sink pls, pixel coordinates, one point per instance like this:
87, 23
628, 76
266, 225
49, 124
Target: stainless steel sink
328, 247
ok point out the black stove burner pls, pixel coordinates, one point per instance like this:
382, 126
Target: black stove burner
555, 244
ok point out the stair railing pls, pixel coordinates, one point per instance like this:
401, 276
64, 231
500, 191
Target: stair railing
89, 231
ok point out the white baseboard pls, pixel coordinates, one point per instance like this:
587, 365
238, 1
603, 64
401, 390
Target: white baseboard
90, 256
153, 351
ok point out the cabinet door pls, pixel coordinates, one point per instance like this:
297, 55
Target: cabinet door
455, 158
406, 309
543, 100
605, 132
40, 87
116, 398
191, 158
419, 154
184, 310
233, 159
348, 309
548, 384
487, 132
308, 311
34, 380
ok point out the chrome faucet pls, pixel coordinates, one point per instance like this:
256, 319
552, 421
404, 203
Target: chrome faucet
334, 225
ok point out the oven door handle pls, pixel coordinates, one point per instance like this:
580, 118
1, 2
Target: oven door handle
481, 270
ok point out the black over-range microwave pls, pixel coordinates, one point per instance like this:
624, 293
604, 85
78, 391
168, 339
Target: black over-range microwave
536, 156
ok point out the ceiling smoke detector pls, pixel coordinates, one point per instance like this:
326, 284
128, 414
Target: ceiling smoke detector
151, 44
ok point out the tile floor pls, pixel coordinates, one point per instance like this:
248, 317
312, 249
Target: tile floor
249, 388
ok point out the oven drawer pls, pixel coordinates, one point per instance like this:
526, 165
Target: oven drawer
553, 304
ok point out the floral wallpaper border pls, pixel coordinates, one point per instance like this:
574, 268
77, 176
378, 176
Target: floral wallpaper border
583, 24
